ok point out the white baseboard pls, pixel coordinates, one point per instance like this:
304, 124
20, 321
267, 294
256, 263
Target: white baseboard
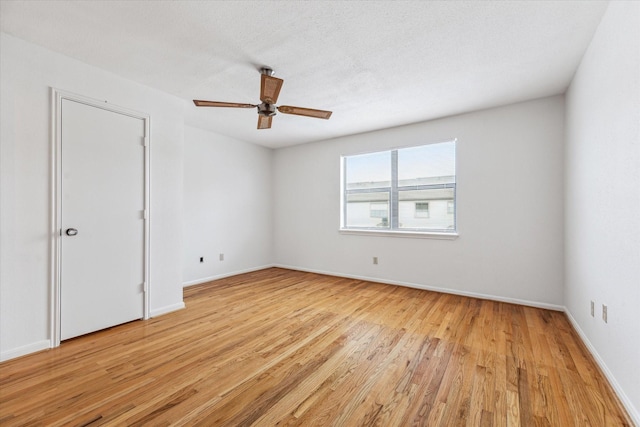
432, 288
167, 309
626, 402
25, 349
222, 276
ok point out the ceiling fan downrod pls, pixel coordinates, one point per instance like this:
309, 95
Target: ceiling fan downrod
267, 71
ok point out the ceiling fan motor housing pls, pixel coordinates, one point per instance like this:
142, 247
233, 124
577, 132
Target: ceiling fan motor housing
267, 110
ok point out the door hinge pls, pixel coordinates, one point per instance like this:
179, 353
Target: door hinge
145, 141
144, 287
144, 214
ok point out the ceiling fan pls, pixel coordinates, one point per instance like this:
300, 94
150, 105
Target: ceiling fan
269, 90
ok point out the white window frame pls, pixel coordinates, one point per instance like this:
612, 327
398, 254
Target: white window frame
394, 230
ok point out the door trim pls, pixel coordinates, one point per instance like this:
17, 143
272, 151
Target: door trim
57, 96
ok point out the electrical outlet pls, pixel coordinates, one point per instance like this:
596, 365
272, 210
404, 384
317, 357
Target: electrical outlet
604, 313
375, 260
593, 309
201, 259
221, 257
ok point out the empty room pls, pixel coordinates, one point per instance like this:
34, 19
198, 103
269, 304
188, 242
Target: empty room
319, 213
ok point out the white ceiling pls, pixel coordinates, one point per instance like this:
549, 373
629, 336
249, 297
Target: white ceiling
375, 64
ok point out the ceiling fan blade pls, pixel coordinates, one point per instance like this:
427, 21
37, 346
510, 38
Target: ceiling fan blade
270, 89
264, 122
200, 103
308, 112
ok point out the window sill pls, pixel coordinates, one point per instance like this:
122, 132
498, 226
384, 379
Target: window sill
410, 234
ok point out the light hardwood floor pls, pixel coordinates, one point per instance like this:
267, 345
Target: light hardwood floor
280, 347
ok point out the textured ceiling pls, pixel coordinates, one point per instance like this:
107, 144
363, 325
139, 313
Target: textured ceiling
375, 64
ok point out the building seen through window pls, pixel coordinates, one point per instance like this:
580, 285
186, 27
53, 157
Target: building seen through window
407, 189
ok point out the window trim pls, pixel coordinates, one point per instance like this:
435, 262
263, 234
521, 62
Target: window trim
396, 232
399, 233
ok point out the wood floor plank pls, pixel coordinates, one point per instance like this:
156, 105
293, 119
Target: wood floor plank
283, 347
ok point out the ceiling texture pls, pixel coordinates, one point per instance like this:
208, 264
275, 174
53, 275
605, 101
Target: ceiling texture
375, 64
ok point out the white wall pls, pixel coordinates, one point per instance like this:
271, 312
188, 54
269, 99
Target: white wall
510, 207
27, 73
227, 206
603, 198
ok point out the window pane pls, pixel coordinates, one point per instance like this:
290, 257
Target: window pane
370, 210
368, 170
426, 209
427, 164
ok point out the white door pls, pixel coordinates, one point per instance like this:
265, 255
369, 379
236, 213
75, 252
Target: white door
102, 246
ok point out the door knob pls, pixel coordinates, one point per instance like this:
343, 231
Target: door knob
71, 232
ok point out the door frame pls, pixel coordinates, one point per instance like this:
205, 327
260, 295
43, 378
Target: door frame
57, 96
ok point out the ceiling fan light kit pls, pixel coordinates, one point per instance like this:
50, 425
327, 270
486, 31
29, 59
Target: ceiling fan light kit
269, 91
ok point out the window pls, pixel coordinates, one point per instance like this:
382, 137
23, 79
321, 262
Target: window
422, 210
379, 210
403, 190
